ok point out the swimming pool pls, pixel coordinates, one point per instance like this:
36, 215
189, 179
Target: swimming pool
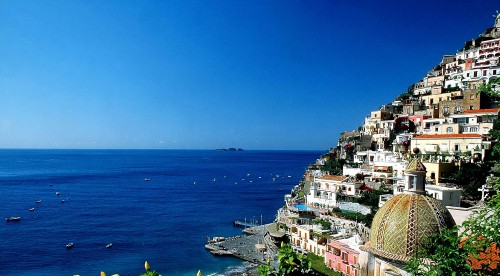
302, 207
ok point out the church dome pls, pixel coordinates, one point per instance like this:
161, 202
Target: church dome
405, 222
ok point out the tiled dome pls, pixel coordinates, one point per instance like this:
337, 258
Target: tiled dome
403, 223
416, 166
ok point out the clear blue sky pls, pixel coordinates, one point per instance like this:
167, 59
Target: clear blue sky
210, 74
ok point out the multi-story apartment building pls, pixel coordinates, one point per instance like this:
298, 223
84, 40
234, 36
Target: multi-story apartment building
468, 99
450, 144
309, 238
324, 190
478, 121
343, 255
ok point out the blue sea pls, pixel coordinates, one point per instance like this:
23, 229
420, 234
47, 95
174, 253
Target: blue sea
191, 194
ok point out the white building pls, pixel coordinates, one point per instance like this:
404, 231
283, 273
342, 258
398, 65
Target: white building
324, 190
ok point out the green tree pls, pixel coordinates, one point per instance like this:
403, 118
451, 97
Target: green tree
290, 264
470, 177
488, 88
441, 255
334, 166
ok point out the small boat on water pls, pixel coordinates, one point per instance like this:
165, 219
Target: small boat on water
58, 193
62, 201
69, 245
39, 201
31, 209
13, 219
147, 179
109, 245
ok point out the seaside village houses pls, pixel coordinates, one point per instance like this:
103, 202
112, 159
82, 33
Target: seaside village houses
409, 147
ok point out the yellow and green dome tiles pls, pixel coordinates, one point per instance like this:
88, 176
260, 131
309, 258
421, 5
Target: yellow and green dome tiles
415, 166
404, 223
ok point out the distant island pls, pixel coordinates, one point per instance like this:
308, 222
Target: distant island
230, 149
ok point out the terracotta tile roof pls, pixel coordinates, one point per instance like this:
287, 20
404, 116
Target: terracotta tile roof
448, 136
481, 111
334, 177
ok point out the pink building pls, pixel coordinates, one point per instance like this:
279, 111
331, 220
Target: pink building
343, 255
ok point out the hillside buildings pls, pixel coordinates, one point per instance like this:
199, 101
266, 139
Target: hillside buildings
410, 148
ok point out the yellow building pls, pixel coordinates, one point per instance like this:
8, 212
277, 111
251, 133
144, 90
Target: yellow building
449, 144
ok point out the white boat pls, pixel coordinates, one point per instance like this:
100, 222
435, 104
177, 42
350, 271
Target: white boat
58, 193
39, 201
13, 219
31, 209
69, 245
109, 245
147, 179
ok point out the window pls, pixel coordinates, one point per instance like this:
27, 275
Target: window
472, 96
446, 110
344, 256
494, 72
475, 74
471, 107
433, 176
449, 130
355, 259
457, 147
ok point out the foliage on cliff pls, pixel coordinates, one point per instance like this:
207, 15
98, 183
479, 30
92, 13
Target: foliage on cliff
334, 166
290, 263
470, 177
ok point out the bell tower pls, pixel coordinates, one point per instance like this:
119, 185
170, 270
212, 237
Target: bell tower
415, 178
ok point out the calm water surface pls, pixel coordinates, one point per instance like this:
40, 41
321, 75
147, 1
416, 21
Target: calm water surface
190, 195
